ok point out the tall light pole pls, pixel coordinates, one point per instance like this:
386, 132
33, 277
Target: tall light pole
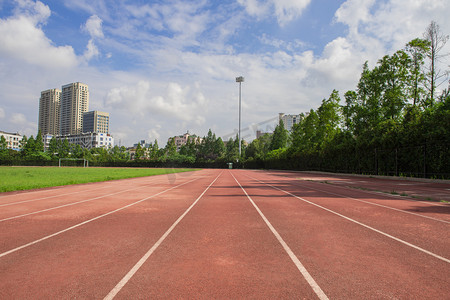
240, 79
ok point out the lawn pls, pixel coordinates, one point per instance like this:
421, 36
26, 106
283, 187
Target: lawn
25, 178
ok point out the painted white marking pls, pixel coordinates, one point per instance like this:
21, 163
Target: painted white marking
288, 250
66, 205
359, 223
54, 196
375, 204
90, 220
146, 256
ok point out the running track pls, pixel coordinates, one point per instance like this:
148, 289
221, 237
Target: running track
223, 234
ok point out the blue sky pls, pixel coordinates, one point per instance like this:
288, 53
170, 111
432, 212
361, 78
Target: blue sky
161, 68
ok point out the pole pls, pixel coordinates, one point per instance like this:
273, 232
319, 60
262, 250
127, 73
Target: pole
239, 79
240, 82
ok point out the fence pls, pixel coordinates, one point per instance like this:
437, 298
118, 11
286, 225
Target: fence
427, 161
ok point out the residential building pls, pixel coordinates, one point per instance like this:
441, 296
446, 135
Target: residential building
46, 138
49, 113
12, 140
89, 140
289, 120
181, 140
74, 103
143, 144
96, 121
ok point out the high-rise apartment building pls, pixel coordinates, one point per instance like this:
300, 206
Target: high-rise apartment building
49, 113
74, 103
96, 121
289, 120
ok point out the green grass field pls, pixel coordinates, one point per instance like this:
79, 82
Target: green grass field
25, 178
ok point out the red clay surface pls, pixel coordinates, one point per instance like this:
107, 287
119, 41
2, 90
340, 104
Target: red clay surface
198, 235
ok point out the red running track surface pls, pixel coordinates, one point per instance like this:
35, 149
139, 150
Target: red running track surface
223, 234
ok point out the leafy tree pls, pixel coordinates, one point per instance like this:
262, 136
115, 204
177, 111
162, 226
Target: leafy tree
38, 143
64, 149
280, 137
171, 148
3, 144
154, 151
232, 150
139, 152
417, 49
53, 147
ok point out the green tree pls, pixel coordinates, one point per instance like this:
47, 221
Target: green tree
139, 152
3, 144
38, 143
53, 147
171, 148
417, 49
64, 149
280, 137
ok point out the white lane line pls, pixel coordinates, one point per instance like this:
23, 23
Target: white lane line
373, 203
108, 185
54, 196
144, 258
70, 204
359, 223
66, 205
288, 250
90, 220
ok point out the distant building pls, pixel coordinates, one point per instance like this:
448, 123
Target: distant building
96, 121
74, 103
12, 140
289, 120
49, 113
259, 133
89, 140
143, 144
181, 140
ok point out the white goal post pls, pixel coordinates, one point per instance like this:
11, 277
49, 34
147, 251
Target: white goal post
85, 161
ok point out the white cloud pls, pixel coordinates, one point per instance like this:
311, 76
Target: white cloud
94, 27
175, 101
284, 10
91, 51
153, 134
2, 113
24, 40
22, 125
288, 10
36, 11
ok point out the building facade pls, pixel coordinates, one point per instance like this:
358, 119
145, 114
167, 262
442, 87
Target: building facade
289, 120
89, 140
74, 103
96, 121
12, 140
181, 140
49, 111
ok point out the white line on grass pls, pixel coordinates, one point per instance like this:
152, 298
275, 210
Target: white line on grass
90, 220
359, 223
144, 258
316, 288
